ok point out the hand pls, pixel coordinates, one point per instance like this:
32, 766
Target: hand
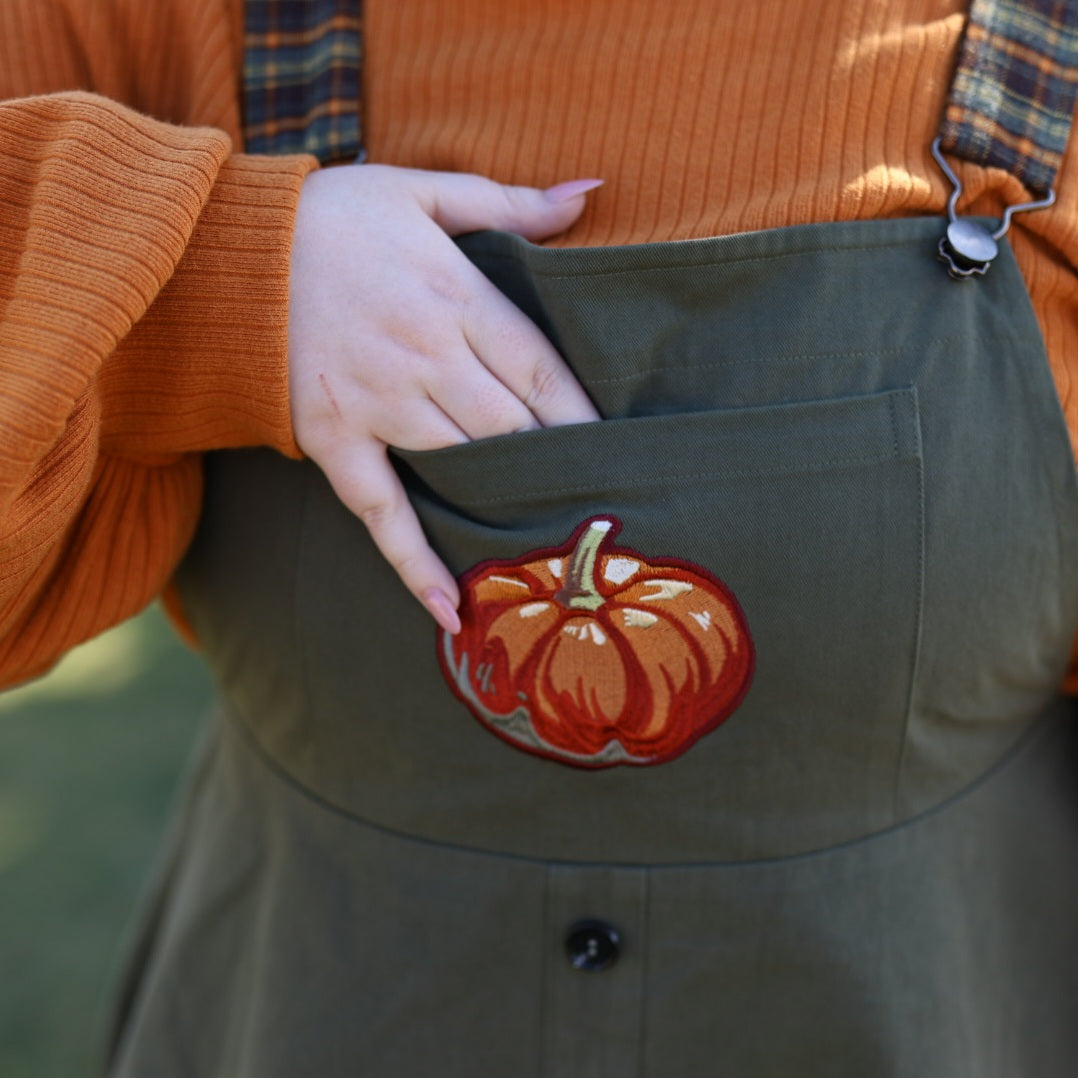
395, 338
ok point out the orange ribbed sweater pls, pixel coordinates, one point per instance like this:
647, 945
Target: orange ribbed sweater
144, 264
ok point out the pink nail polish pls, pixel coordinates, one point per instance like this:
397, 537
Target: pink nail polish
437, 602
562, 192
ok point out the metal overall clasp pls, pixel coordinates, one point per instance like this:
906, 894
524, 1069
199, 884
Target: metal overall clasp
968, 247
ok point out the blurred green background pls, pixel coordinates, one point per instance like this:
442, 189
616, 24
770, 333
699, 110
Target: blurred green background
90, 758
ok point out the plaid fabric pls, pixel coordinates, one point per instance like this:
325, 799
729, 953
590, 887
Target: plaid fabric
301, 72
1010, 104
1013, 92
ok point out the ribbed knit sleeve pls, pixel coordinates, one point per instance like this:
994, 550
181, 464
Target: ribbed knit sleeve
143, 305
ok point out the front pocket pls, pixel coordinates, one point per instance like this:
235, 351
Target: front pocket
809, 513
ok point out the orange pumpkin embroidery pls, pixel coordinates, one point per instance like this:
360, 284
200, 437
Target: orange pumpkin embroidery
593, 655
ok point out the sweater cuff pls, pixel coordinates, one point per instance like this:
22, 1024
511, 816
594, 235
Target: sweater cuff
206, 367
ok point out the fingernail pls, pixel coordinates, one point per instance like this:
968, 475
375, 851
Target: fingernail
437, 602
562, 192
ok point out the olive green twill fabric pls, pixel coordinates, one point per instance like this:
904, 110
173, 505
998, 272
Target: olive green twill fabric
867, 869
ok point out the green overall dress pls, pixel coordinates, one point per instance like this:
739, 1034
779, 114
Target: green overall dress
831, 830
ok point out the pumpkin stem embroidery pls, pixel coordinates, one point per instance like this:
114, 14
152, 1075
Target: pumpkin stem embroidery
581, 590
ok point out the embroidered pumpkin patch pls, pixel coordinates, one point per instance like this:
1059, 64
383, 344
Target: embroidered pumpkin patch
594, 655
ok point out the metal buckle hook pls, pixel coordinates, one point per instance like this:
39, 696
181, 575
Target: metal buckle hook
968, 247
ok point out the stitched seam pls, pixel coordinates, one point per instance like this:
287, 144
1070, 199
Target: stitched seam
668, 267
242, 733
799, 357
915, 662
637, 481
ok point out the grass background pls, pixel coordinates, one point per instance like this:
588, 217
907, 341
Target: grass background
90, 757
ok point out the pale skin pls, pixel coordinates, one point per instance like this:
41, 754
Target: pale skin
396, 339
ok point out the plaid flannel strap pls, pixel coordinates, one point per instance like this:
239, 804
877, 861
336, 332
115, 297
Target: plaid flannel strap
301, 73
1013, 92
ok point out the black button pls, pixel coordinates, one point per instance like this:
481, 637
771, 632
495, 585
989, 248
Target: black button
592, 946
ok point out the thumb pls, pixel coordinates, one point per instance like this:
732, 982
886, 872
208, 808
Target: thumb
462, 202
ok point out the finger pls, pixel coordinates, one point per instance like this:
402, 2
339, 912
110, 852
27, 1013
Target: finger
421, 425
463, 202
366, 483
479, 403
517, 353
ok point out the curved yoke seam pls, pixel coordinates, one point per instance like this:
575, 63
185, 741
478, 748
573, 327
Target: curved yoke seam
243, 734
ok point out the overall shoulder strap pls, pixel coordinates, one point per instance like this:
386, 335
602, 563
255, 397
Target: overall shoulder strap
302, 77
1013, 93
